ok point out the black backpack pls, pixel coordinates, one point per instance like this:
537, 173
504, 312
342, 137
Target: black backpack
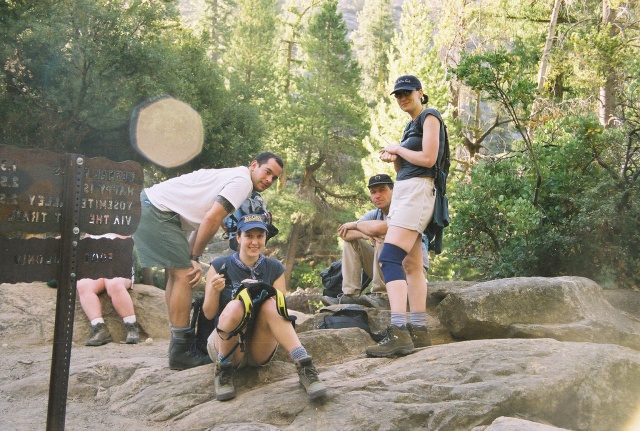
202, 326
332, 280
435, 230
252, 205
350, 316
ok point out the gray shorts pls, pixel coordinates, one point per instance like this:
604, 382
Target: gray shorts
159, 239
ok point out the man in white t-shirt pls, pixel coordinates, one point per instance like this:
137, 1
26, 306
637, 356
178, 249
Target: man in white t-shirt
194, 203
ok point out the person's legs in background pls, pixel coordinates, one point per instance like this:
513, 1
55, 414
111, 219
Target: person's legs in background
117, 290
88, 291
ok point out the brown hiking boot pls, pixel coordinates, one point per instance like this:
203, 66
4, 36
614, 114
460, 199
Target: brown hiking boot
309, 379
397, 343
419, 336
223, 383
99, 335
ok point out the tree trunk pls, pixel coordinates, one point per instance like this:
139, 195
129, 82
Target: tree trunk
544, 60
606, 97
305, 192
292, 247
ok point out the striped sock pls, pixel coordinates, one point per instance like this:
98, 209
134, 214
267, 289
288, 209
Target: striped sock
298, 353
398, 319
418, 319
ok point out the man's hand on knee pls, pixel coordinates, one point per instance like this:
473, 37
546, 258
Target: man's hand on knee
195, 275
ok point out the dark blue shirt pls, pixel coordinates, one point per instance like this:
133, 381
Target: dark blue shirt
412, 140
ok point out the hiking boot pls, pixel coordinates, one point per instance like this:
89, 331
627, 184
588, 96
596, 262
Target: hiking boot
377, 300
99, 335
223, 383
344, 298
396, 343
184, 354
419, 336
309, 379
132, 333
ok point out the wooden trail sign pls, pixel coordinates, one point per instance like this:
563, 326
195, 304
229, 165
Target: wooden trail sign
61, 198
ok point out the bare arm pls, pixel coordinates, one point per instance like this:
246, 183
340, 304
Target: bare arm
373, 228
349, 231
430, 144
280, 284
212, 221
199, 239
214, 285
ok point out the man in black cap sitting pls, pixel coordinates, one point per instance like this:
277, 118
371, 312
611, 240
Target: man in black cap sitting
363, 241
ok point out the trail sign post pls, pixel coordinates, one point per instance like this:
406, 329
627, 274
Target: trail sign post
61, 197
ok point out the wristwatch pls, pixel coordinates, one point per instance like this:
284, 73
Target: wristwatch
196, 258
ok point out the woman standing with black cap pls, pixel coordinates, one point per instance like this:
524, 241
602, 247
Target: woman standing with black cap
412, 206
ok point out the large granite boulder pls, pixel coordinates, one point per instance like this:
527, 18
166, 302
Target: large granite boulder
27, 314
563, 308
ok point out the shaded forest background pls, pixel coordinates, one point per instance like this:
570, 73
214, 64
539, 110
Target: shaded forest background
541, 98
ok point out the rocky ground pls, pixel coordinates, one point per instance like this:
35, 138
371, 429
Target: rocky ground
573, 364
28, 368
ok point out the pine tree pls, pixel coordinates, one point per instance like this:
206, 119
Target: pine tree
328, 120
249, 61
371, 40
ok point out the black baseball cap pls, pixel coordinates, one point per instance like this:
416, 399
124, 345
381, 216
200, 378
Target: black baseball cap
380, 179
407, 82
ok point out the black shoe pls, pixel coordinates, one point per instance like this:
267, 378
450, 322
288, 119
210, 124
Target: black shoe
132, 333
184, 354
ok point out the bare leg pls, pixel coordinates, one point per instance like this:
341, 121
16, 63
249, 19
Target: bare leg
229, 320
417, 290
88, 291
398, 289
117, 290
272, 329
178, 295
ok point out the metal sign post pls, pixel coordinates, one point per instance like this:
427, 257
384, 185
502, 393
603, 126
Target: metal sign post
66, 299
59, 198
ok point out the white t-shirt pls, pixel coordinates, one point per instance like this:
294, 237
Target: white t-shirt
192, 195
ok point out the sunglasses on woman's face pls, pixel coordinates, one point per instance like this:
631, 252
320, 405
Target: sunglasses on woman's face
402, 93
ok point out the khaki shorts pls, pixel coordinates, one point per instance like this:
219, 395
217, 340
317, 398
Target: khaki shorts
247, 360
412, 203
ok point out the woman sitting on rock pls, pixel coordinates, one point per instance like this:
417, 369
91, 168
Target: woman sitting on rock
266, 330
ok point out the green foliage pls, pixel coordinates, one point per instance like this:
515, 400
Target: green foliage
286, 208
493, 219
74, 70
304, 276
371, 40
503, 75
586, 222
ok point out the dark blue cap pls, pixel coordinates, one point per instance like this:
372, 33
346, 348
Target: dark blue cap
251, 221
407, 82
